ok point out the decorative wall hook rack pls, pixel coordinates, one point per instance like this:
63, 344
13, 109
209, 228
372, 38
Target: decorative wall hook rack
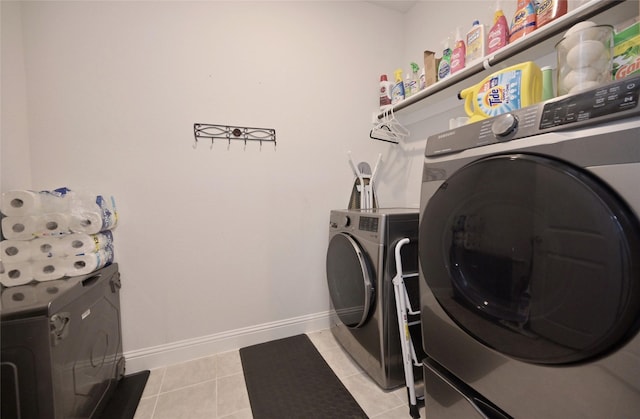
231, 133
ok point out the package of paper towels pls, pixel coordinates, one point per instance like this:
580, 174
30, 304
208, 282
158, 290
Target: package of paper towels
93, 214
89, 262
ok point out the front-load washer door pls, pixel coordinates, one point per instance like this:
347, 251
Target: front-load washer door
350, 281
533, 257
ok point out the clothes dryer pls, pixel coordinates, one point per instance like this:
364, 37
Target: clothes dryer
529, 261
360, 267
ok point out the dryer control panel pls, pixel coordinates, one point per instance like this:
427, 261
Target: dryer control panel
609, 102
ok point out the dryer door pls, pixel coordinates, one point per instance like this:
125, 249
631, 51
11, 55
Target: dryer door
349, 279
534, 257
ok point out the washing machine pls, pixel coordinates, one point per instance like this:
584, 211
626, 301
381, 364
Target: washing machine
360, 267
530, 261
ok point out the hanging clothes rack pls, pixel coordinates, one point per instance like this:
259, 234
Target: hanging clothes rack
233, 133
388, 129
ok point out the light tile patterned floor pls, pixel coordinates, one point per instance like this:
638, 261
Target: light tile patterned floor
214, 387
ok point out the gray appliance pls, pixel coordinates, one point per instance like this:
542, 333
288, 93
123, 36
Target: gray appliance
61, 346
360, 267
530, 261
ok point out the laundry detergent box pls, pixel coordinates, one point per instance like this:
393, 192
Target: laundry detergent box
626, 52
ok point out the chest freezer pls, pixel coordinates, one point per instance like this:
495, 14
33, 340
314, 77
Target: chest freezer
61, 346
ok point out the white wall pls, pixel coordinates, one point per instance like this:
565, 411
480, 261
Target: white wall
212, 244
14, 149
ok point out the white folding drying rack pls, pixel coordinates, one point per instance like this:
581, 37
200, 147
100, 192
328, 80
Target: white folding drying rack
403, 307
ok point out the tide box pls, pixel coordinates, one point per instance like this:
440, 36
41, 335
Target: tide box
626, 52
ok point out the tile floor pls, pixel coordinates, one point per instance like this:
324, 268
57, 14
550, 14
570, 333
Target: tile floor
213, 387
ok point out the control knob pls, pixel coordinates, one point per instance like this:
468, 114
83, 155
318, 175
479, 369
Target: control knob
504, 125
346, 221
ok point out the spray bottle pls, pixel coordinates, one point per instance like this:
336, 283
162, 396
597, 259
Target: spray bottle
458, 54
397, 93
411, 85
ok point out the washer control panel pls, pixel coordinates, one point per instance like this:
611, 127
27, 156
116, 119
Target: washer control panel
612, 101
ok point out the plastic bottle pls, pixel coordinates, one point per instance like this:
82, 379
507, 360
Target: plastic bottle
397, 92
506, 90
498, 35
475, 43
524, 20
385, 91
423, 80
411, 84
444, 68
549, 10
459, 53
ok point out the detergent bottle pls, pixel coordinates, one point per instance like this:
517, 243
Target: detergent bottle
475, 43
524, 20
444, 67
397, 91
504, 91
498, 35
385, 91
459, 53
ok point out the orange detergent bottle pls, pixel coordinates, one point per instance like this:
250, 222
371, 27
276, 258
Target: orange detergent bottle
524, 20
506, 90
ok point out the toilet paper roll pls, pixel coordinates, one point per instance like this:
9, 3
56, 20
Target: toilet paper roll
19, 296
89, 262
15, 250
52, 224
14, 274
94, 215
19, 227
49, 269
46, 248
20, 203
82, 243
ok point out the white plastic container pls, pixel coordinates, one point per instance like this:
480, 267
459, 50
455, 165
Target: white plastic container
475, 43
385, 92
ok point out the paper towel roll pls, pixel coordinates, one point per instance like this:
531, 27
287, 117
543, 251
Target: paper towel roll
46, 247
25, 202
15, 250
89, 262
19, 227
93, 215
49, 269
17, 273
20, 203
19, 296
81, 243
52, 224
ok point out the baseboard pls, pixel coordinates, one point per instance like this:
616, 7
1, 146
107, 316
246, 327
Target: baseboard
185, 350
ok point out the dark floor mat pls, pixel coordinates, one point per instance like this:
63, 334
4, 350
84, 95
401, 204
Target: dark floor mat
288, 378
124, 401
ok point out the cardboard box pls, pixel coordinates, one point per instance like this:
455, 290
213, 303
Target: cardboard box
430, 68
626, 52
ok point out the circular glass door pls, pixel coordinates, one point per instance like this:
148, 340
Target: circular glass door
349, 279
534, 257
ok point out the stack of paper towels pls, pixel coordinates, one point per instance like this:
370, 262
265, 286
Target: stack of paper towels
52, 234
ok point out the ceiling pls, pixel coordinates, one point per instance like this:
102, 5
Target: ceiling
398, 5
